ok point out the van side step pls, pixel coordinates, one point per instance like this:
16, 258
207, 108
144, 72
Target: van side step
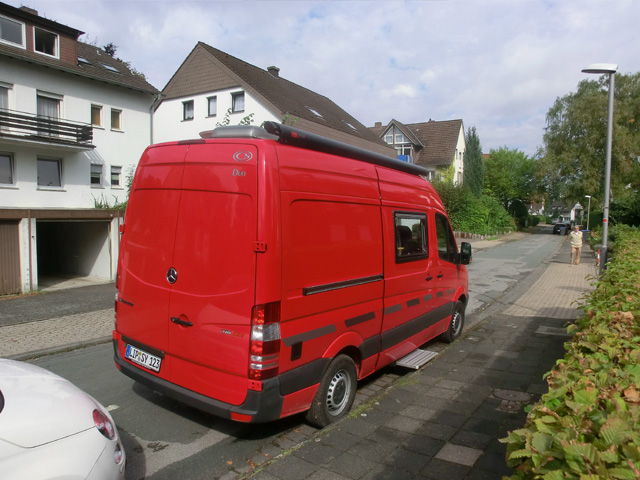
416, 359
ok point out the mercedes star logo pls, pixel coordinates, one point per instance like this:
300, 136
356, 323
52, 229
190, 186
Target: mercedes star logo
172, 276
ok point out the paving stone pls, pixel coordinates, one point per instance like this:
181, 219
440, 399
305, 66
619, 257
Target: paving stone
424, 445
433, 430
438, 469
292, 468
493, 462
351, 466
404, 424
467, 438
318, 453
373, 451
410, 461
459, 454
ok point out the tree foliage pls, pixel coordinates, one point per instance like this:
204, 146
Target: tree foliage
473, 167
510, 175
575, 140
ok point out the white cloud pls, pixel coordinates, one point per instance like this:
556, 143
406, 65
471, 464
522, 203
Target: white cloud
497, 64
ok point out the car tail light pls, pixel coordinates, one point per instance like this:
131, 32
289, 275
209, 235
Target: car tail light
104, 425
265, 341
118, 454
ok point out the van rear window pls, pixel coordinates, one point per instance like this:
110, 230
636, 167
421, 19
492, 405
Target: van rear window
411, 236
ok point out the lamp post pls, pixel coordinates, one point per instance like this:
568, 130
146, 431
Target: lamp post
606, 69
588, 209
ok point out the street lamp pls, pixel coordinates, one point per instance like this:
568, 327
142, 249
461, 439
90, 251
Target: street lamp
588, 210
606, 69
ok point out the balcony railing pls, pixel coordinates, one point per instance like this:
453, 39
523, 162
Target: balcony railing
30, 127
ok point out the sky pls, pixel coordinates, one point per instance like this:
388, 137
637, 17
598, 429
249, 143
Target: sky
498, 65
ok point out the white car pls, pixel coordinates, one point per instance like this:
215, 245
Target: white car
49, 428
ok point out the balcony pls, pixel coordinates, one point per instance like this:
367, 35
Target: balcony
20, 127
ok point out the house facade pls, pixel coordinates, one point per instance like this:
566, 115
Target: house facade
212, 88
73, 123
437, 146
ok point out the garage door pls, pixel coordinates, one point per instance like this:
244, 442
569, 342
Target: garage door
9, 258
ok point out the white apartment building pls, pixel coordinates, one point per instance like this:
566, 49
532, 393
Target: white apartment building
73, 124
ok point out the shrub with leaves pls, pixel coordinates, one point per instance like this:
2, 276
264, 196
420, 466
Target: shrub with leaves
587, 427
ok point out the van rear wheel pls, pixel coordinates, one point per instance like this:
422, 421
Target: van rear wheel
336, 393
456, 325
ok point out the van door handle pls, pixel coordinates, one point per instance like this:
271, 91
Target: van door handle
184, 323
429, 278
440, 275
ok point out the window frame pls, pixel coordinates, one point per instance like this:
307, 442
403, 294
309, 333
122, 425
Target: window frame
56, 45
185, 110
99, 108
49, 159
96, 168
113, 168
119, 116
12, 174
401, 257
23, 26
451, 253
234, 97
215, 99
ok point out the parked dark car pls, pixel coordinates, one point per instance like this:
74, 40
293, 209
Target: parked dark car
558, 227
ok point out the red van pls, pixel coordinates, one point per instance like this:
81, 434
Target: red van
263, 271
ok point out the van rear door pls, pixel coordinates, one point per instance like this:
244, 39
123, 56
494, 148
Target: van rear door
211, 301
189, 267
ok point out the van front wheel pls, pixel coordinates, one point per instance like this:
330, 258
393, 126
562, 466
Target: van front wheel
336, 393
456, 325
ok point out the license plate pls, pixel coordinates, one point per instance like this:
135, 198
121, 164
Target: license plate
143, 358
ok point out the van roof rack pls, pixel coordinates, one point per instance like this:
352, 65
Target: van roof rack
302, 139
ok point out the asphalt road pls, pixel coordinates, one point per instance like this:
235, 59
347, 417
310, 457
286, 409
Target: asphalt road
167, 440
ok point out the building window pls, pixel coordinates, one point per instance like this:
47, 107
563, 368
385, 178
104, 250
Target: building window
49, 172
6, 169
4, 102
12, 32
388, 138
116, 176
237, 102
96, 175
45, 42
48, 109
96, 115
213, 106
187, 110
116, 119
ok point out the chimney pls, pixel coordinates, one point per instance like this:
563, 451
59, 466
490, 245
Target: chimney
378, 125
29, 10
274, 71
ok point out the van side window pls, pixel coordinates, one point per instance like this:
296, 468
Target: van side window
411, 236
447, 249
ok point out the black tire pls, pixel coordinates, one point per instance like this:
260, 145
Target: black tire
336, 393
456, 325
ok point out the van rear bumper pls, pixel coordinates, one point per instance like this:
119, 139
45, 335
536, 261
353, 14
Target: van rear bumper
264, 406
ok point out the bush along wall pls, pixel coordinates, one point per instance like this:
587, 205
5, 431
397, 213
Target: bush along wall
587, 427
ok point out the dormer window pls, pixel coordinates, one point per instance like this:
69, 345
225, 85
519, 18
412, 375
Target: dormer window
315, 112
83, 61
12, 32
46, 42
111, 68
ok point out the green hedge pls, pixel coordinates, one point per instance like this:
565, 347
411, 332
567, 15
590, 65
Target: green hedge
470, 214
587, 427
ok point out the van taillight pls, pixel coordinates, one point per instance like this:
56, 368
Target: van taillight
265, 341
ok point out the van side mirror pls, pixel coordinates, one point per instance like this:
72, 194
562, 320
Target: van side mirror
465, 253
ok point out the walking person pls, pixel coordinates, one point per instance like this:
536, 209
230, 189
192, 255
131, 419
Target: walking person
576, 245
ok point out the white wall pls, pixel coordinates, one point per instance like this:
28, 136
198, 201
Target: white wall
168, 123
113, 148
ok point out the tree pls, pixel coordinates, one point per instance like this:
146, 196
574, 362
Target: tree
511, 175
473, 167
110, 49
575, 140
